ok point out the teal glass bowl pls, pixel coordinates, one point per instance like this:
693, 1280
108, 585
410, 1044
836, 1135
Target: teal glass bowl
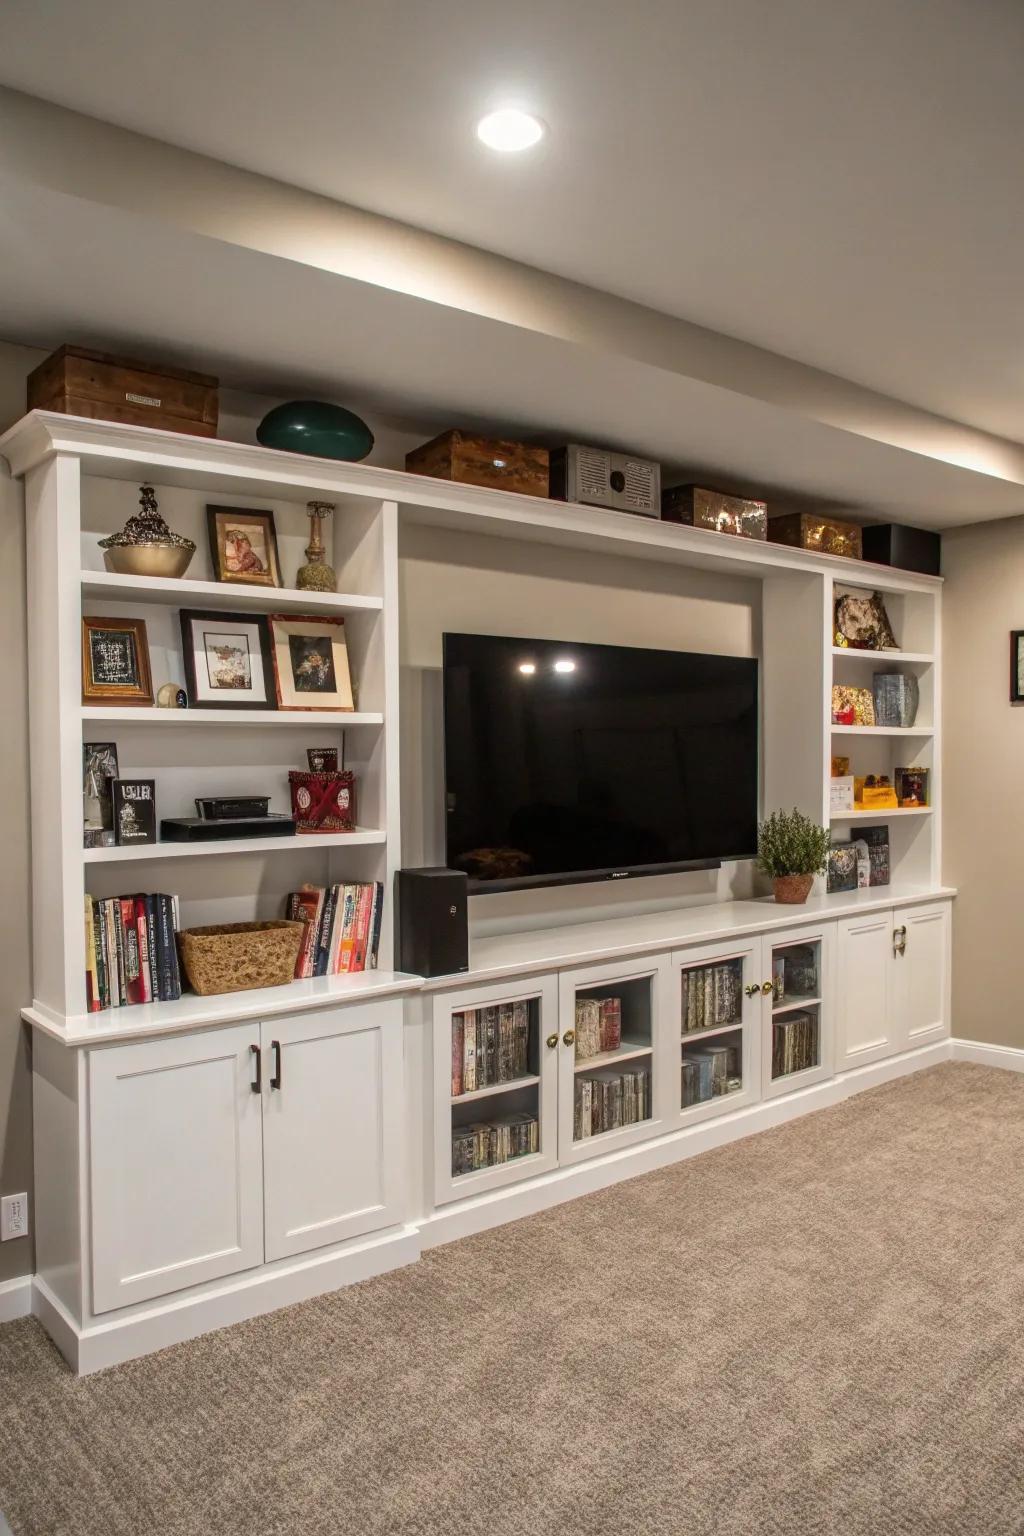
313, 426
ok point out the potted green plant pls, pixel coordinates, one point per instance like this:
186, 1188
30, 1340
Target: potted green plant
792, 849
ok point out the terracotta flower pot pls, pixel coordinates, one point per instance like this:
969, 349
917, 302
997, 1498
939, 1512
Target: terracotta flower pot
792, 889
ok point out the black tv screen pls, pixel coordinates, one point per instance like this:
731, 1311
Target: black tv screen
568, 762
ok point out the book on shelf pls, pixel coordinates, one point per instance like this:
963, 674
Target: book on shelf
598, 1023
711, 996
710, 1071
794, 1043
607, 1099
342, 931
131, 954
485, 1144
490, 1046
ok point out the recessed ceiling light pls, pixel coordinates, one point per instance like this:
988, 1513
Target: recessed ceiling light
510, 129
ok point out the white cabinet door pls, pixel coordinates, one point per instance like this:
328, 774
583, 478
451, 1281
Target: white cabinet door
332, 1127
921, 966
175, 1163
797, 999
613, 1098
864, 1011
716, 1001
498, 1086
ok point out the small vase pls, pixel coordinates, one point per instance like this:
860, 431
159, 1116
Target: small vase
317, 575
792, 890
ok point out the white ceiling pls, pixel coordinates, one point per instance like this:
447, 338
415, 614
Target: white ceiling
839, 183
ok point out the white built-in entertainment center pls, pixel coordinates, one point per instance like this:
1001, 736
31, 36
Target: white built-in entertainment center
180, 1183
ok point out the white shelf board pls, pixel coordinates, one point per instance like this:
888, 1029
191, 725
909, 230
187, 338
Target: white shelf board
882, 730
495, 1088
795, 1004
690, 1035
360, 838
628, 1051
925, 658
126, 714
884, 815
221, 594
148, 1020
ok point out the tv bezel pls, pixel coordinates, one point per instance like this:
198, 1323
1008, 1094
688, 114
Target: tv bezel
610, 872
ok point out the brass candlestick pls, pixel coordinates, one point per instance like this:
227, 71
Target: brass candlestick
317, 575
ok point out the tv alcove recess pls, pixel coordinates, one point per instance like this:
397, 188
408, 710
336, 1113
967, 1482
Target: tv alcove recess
204, 1160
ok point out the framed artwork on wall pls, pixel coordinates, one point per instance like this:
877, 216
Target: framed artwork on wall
115, 661
227, 660
243, 546
1017, 666
310, 663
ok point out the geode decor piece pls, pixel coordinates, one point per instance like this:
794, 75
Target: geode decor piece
146, 546
317, 428
896, 697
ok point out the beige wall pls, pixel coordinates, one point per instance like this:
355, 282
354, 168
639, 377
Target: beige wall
983, 775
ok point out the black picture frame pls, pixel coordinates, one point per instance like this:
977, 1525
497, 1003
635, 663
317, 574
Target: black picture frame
188, 617
1016, 658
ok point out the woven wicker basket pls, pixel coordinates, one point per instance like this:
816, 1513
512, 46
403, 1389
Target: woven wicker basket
234, 957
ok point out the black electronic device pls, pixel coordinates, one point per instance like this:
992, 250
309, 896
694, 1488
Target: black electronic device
908, 549
231, 807
198, 829
567, 762
432, 921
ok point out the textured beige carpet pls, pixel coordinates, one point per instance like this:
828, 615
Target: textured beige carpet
815, 1330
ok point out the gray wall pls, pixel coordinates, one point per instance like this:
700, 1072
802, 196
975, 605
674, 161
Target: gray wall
983, 778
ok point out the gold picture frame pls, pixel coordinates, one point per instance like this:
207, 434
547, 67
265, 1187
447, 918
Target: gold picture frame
243, 546
115, 661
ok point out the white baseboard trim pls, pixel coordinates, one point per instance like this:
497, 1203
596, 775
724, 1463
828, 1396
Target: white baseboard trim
1008, 1057
498, 1206
117, 1338
15, 1298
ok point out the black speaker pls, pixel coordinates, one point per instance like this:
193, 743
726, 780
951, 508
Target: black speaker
432, 921
911, 549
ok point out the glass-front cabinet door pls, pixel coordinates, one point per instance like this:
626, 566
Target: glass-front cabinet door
496, 1050
797, 1028
611, 1070
717, 1004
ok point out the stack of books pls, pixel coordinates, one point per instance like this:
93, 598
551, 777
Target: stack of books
598, 1026
342, 927
488, 1143
606, 1100
490, 1045
794, 1043
131, 955
713, 1070
712, 995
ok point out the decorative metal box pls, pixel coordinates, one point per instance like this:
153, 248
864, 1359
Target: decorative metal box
598, 478
825, 535
701, 508
896, 696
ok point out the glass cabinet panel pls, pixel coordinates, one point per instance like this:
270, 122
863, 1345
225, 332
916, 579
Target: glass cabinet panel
796, 1008
613, 1057
495, 1082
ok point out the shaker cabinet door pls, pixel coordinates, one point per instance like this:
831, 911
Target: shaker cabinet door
863, 993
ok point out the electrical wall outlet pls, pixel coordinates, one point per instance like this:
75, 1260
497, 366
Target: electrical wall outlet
13, 1217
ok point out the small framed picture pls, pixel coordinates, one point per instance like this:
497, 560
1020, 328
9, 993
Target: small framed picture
1017, 666
115, 661
243, 546
227, 660
310, 663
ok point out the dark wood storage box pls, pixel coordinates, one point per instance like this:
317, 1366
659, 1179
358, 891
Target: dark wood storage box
493, 462
701, 508
825, 535
909, 549
81, 383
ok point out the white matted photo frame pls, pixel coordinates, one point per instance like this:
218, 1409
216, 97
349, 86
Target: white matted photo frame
227, 660
310, 662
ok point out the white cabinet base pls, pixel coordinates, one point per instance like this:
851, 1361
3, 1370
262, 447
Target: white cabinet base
132, 1332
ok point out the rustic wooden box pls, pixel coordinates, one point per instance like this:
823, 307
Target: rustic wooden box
82, 383
700, 508
494, 462
825, 535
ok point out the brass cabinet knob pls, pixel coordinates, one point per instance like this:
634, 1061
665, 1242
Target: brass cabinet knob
753, 989
766, 988
569, 1038
552, 1042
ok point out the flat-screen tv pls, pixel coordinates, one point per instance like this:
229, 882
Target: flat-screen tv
568, 762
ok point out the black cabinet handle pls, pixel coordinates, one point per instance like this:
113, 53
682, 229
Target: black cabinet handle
275, 1081
257, 1084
